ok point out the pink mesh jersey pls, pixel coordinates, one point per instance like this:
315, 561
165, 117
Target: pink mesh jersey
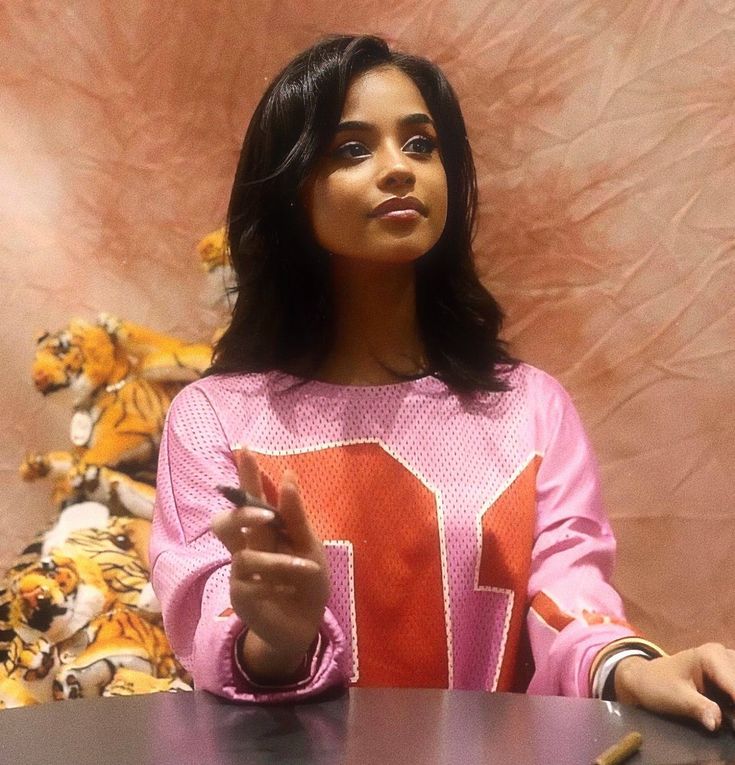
467, 545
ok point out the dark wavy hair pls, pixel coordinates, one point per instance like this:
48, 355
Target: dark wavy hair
283, 317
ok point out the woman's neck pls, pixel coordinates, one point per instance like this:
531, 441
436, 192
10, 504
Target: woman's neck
377, 337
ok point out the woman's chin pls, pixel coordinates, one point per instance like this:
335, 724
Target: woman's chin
397, 255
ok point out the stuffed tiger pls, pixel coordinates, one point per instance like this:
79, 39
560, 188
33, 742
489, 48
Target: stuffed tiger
157, 356
131, 682
87, 664
51, 600
115, 639
118, 545
120, 549
118, 416
77, 616
27, 674
57, 596
25, 560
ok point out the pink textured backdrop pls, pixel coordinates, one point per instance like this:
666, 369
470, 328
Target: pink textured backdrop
604, 135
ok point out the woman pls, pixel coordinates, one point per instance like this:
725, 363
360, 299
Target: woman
446, 527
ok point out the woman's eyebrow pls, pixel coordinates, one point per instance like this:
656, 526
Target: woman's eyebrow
417, 119
353, 125
410, 119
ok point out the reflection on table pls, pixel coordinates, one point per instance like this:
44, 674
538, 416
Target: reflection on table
359, 727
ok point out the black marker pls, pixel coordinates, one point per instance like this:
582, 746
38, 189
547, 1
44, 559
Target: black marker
240, 498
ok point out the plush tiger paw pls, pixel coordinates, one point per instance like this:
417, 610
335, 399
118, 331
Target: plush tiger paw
85, 477
67, 686
84, 680
131, 682
35, 466
111, 324
56, 464
35, 660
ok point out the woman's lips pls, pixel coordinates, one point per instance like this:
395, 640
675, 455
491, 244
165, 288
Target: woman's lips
400, 208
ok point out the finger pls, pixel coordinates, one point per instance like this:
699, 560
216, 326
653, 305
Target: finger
233, 527
685, 700
259, 589
263, 537
272, 567
227, 532
293, 515
248, 471
718, 664
260, 537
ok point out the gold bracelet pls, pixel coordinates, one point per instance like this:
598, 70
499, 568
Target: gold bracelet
651, 649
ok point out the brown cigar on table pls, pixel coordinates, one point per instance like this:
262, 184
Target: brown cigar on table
620, 752
240, 498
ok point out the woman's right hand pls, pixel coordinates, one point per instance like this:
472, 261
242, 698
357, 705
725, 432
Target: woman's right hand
279, 580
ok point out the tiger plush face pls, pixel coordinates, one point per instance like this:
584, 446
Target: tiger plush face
57, 596
81, 357
120, 551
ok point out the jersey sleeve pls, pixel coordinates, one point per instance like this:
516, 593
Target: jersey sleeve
574, 611
190, 567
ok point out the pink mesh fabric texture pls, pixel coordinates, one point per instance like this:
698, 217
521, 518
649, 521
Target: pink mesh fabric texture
458, 536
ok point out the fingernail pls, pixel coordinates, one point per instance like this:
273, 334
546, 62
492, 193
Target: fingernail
710, 721
289, 476
261, 514
304, 563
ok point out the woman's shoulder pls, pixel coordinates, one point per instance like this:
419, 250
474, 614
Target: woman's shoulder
544, 401
531, 381
220, 390
536, 396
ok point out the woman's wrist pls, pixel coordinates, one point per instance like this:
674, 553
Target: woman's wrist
626, 671
266, 665
603, 670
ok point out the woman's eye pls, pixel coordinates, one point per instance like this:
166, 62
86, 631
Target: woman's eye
420, 144
351, 150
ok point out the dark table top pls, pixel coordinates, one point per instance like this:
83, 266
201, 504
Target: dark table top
359, 727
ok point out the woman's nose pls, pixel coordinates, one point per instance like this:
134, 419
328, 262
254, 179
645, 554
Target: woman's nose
396, 170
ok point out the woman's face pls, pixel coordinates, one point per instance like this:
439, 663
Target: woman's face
380, 191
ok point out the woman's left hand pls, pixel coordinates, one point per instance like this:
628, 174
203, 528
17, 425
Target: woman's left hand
676, 684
